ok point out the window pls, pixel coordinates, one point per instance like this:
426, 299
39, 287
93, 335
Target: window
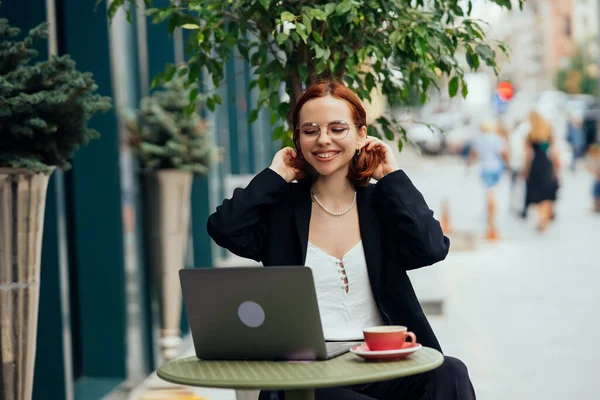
568, 30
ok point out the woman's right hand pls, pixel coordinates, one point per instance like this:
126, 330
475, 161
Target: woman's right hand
282, 164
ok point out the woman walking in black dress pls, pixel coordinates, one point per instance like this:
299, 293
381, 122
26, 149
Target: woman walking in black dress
541, 169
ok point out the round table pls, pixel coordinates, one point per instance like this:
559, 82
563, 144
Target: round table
298, 379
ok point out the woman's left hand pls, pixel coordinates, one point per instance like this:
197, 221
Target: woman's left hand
388, 162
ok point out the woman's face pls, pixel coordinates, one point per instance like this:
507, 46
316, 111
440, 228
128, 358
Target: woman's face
325, 154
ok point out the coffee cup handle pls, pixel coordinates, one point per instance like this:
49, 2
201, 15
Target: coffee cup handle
412, 336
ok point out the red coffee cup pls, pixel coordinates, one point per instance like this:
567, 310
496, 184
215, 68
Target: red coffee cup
389, 337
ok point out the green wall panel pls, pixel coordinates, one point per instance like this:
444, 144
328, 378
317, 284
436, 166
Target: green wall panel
96, 235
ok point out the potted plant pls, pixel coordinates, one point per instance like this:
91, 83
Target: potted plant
44, 112
171, 142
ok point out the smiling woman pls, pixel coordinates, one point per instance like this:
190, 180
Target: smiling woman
315, 206
332, 105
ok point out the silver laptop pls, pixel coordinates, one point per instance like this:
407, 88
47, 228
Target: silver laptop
254, 313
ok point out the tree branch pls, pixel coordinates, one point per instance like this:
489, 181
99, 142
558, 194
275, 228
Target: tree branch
295, 92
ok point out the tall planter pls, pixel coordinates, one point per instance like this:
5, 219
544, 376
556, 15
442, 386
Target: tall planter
22, 206
167, 197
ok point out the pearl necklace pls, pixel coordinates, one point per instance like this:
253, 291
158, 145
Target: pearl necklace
335, 214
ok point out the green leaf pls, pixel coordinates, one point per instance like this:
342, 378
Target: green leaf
343, 7
389, 134
193, 95
453, 86
265, 4
395, 37
484, 51
458, 11
295, 37
470, 8
190, 26
281, 38
287, 16
217, 99
278, 133
274, 117
403, 132
383, 121
319, 52
253, 116
262, 96
372, 131
169, 72
301, 29
283, 109
112, 10
151, 11
400, 145
307, 22
189, 109
317, 36
157, 80
472, 60
243, 49
423, 47
421, 31
465, 90
318, 14
210, 103
329, 8
370, 81
303, 71
194, 73
200, 37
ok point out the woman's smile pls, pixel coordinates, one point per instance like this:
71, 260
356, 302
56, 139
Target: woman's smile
324, 156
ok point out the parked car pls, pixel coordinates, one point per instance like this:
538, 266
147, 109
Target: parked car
428, 139
429, 135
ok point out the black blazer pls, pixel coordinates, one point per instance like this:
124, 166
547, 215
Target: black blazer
268, 221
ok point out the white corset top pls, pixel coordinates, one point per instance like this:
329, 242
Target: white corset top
344, 295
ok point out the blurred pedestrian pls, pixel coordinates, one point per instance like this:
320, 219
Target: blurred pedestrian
490, 149
590, 121
575, 137
541, 169
593, 166
516, 152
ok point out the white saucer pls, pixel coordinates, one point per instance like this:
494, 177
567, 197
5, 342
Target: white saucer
407, 349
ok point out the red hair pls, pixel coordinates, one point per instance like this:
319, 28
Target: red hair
362, 165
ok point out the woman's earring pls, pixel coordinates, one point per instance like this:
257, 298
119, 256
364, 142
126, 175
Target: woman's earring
357, 152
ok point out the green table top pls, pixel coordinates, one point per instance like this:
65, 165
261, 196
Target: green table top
347, 369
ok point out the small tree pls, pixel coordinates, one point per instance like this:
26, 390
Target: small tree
44, 107
400, 47
165, 136
576, 78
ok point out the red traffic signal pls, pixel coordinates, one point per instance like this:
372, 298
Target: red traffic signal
505, 91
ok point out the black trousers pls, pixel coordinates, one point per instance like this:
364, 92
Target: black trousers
450, 381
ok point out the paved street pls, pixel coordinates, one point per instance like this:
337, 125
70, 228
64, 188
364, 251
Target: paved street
523, 312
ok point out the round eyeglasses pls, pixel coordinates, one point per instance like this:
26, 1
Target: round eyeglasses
337, 130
